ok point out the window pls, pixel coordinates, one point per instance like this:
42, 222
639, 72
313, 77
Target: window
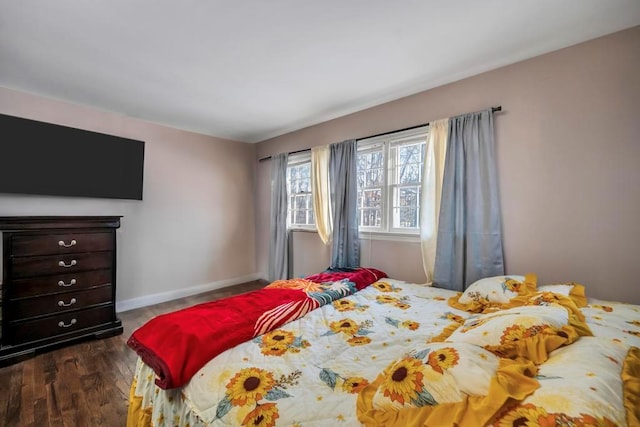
389, 179
300, 200
390, 169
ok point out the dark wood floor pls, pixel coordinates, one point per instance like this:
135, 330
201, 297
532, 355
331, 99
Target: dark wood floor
86, 384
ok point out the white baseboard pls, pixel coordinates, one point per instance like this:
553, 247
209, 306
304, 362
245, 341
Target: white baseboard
158, 298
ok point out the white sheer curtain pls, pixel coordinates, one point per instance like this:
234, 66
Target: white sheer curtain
431, 191
321, 192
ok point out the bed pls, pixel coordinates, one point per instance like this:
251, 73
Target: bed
506, 352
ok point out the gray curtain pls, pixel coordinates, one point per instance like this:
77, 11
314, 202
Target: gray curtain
345, 251
278, 247
469, 231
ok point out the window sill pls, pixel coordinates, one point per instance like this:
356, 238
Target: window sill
306, 230
370, 235
395, 237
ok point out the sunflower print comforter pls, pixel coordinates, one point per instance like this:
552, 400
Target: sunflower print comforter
386, 347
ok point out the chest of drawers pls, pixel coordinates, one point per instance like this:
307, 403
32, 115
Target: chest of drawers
59, 282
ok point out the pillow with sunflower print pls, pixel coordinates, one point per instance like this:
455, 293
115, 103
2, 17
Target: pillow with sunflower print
573, 290
445, 384
528, 331
498, 288
592, 382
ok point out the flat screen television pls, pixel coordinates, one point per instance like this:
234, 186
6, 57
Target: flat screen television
48, 159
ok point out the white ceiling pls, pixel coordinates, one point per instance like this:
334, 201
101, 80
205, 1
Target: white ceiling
249, 70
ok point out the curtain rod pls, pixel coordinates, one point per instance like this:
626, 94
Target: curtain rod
493, 110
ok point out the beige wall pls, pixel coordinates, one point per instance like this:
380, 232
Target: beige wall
195, 227
308, 255
568, 148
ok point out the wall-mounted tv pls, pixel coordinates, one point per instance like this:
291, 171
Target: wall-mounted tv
48, 159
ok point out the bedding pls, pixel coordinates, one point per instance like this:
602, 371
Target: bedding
394, 353
177, 344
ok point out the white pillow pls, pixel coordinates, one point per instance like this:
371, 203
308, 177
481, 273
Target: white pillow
562, 289
573, 290
505, 326
494, 289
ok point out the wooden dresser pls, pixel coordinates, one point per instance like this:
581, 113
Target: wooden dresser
59, 282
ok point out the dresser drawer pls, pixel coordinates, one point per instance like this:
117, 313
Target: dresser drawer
58, 264
62, 243
57, 303
42, 285
59, 324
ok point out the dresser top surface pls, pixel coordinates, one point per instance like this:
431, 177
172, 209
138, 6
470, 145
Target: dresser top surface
8, 223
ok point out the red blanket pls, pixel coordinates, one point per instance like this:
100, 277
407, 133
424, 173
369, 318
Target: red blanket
176, 345
361, 276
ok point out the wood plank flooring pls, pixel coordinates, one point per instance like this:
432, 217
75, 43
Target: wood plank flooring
86, 384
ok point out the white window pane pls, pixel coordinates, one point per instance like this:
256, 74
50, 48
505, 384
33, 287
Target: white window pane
370, 169
377, 159
408, 196
301, 202
409, 159
409, 153
374, 159
370, 217
409, 217
305, 185
405, 217
311, 217
375, 177
372, 198
361, 161
300, 217
409, 173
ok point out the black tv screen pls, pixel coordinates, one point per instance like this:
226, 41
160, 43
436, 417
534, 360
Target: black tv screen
49, 159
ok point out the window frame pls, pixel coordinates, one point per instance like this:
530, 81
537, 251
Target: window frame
388, 143
295, 160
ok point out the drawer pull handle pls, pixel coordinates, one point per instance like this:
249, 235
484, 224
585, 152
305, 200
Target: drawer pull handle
64, 325
71, 264
63, 304
64, 245
66, 285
